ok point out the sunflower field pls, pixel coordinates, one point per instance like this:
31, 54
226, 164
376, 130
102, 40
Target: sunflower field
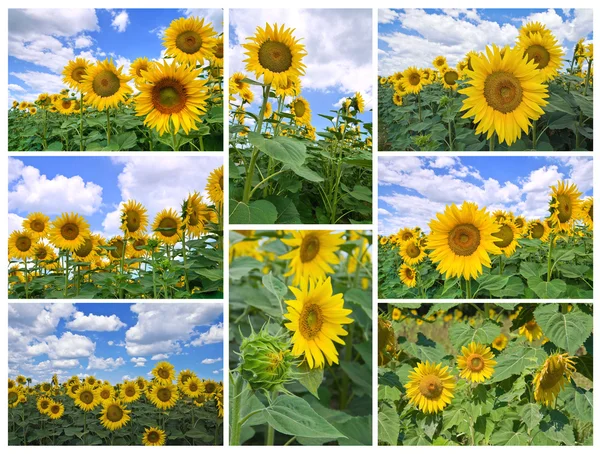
300, 338
167, 410
526, 97
485, 374
472, 253
177, 103
182, 258
281, 169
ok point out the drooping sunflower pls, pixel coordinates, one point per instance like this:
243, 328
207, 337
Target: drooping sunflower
197, 215
218, 52
500, 342
461, 240
275, 54
301, 110
38, 224
153, 436
74, 71
408, 275
43, 404
313, 253
412, 253
86, 397
565, 204
192, 387
316, 317
106, 392
586, 212
292, 88
119, 250
552, 377
397, 98
544, 51
114, 414
164, 396
190, 41
431, 387
439, 62
450, 78
531, 330
169, 223
69, 231
134, 219
21, 244
413, 80
13, 398
171, 93
105, 86
64, 106
476, 363
55, 410
358, 102
129, 392
538, 230
164, 372
237, 84
214, 186
506, 93
87, 251
137, 66
507, 237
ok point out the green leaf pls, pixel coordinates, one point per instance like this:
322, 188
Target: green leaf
565, 330
556, 102
509, 438
125, 141
530, 269
285, 149
306, 173
361, 193
388, 423
241, 266
311, 379
556, 426
530, 415
516, 359
258, 212
547, 290
491, 282
462, 334
287, 213
274, 285
292, 415
424, 349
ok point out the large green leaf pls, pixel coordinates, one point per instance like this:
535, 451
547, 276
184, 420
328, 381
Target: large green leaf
530, 415
565, 330
257, 212
509, 438
285, 149
547, 290
311, 379
241, 266
388, 423
462, 333
516, 360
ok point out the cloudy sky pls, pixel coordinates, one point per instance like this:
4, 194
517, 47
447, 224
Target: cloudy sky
96, 186
339, 46
42, 41
414, 37
113, 341
413, 189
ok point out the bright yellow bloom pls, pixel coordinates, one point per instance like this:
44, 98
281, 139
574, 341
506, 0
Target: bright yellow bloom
169, 223
301, 111
105, 86
114, 414
564, 206
413, 80
507, 237
153, 436
215, 185
74, 71
129, 392
69, 231
164, 372
164, 396
430, 387
134, 219
86, 397
190, 41
56, 410
552, 377
500, 342
476, 363
412, 253
531, 330
408, 275
544, 51
21, 244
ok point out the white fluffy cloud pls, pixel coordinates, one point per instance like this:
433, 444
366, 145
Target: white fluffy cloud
211, 360
92, 322
160, 357
39, 319
120, 21
107, 364
70, 346
139, 361
83, 41
161, 328
338, 43
36, 192
212, 15
212, 336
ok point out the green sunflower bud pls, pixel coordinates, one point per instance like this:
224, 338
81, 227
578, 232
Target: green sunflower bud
266, 361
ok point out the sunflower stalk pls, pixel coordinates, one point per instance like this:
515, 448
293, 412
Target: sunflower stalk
344, 400
26, 279
534, 136
107, 127
270, 430
81, 122
185, 272
551, 243
468, 289
122, 266
66, 273
236, 426
492, 143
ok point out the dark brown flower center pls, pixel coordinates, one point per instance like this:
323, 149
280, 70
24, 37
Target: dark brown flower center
505, 235
565, 209
23, 243
87, 397
412, 250
85, 249
503, 91
106, 83
299, 108
189, 42
69, 231
431, 386
275, 56
309, 248
114, 413
164, 394
37, 226
169, 96
464, 239
78, 73
539, 54
153, 436
310, 320
475, 362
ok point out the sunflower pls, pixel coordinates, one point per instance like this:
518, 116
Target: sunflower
316, 317
476, 363
439, 62
23, 105
397, 98
291, 88
218, 53
500, 342
91, 380
396, 313
43, 252
531, 28
531, 330
237, 84
551, 378
43, 404
114, 414
358, 102
64, 106
192, 387
21, 379
184, 375
69, 231
32, 110
268, 110
384, 240
461, 240
190, 41
164, 396
129, 392
172, 93
72, 389
169, 223
106, 392
15, 104
412, 253
153, 436
74, 72
135, 247
507, 237
11, 383
538, 230
118, 244
21, 244
430, 387
45, 387
413, 80
214, 186
564, 206
521, 224
197, 215
210, 387
301, 111
134, 219
86, 397
586, 212
313, 253
275, 54
55, 410
544, 51
164, 372
505, 94
247, 96
37, 224
137, 67
87, 251
407, 275
105, 86
450, 77
200, 400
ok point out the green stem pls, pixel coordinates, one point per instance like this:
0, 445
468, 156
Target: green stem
45, 129
26, 281
468, 288
185, 273
346, 379
492, 143
81, 122
534, 136
270, 430
549, 277
154, 275
78, 282
450, 135
107, 126
122, 265
84, 427
66, 273
419, 102
236, 426
174, 141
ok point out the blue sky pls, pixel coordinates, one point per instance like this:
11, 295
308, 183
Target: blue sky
96, 186
41, 42
114, 341
415, 37
339, 60
413, 189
